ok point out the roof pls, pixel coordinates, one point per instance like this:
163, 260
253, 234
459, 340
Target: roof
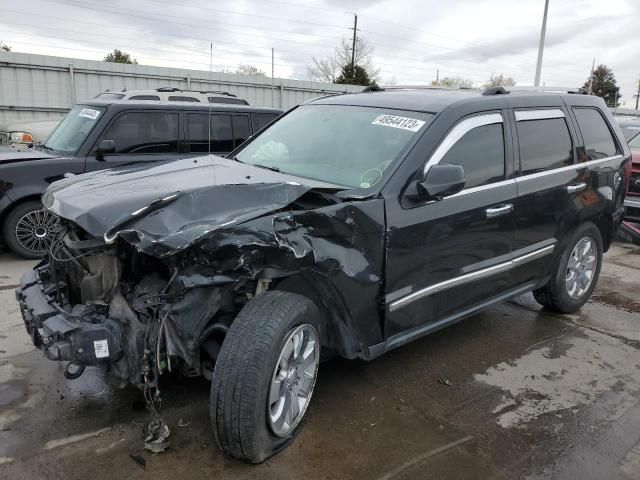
162, 105
433, 100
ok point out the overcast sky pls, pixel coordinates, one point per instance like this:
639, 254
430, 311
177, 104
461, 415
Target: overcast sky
412, 38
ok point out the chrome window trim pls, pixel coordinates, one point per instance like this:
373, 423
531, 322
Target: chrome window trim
470, 277
481, 188
538, 114
576, 166
459, 131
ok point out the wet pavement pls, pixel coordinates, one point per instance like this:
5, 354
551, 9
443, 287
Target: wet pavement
515, 392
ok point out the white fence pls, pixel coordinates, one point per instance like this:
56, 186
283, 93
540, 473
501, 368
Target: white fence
39, 86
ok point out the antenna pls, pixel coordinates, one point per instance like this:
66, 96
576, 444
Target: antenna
210, 81
210, 70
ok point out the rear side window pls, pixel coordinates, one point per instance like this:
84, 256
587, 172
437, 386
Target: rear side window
144, 132
544, 144
178, 98
261, 120
110, 96
228, 100
198, 133
598, 141
144, 97
241, 129
481, 153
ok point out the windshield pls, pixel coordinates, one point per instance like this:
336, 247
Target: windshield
71, 132
630, 131
634, 142
339, 144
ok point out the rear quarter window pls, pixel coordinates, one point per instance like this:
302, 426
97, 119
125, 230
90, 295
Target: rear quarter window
179, 98
598, 141
545, 144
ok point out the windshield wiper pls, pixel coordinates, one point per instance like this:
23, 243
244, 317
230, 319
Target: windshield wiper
266, 167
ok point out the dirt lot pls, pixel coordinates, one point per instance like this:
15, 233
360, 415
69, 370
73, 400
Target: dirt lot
512, 393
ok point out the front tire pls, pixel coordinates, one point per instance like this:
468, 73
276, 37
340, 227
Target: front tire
577, 273
264, 376
29, 230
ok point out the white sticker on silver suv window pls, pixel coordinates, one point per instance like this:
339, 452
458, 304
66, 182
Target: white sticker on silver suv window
405, 123
101, 348
89, 113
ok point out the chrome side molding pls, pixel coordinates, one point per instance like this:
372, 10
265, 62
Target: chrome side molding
470, 277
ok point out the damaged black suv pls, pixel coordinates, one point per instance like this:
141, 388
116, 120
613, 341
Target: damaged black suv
351, 226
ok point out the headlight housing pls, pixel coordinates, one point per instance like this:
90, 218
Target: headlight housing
20, 137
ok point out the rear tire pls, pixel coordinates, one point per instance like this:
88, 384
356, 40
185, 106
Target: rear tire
29, 230
577, 273
248, 422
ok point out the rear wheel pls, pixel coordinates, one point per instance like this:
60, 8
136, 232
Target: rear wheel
264, 375
30, 230
575, 278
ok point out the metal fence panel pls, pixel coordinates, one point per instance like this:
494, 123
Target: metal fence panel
40, 86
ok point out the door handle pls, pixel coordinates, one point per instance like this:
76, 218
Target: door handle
499, 210
576, 187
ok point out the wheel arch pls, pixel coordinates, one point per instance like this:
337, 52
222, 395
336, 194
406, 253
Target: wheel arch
338, 330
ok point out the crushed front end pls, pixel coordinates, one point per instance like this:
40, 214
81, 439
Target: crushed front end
122, 310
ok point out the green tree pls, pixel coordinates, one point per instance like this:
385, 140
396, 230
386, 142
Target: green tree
604, 85
355, 75
4, 47
329, 68
118, 56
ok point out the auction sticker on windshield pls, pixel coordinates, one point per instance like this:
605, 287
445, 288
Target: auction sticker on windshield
89, 113
394, 121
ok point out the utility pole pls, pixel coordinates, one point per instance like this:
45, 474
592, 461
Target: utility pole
353, 48
638, 95
543, 32
593, 65
272, 71
438, 76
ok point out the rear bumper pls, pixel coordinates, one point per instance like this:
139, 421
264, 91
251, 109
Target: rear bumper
84, 335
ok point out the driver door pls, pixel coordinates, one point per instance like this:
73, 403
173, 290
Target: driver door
446, 256
137, 136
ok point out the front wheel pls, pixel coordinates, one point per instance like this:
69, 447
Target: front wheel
577, 273
264, 375
30, 230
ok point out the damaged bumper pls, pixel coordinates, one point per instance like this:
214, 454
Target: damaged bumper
85, 340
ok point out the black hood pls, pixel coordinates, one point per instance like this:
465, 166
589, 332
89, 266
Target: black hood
166, 207
24, 155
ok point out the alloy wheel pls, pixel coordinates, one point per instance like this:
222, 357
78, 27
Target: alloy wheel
581, 268
293, 379
37, 230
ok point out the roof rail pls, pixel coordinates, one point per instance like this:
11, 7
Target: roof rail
578, 90
382, 88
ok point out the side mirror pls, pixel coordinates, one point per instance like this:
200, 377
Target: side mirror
441, 181
106, 146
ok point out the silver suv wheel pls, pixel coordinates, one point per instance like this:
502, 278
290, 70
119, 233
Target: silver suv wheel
36, 231
293, 379
581, 267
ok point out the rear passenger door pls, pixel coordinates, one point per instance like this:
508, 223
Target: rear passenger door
548, 183
138, 136
218, 133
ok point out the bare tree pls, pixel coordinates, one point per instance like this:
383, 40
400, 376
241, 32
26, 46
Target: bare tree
246, 69
453, 82
500, 81
328, 69
4, 47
